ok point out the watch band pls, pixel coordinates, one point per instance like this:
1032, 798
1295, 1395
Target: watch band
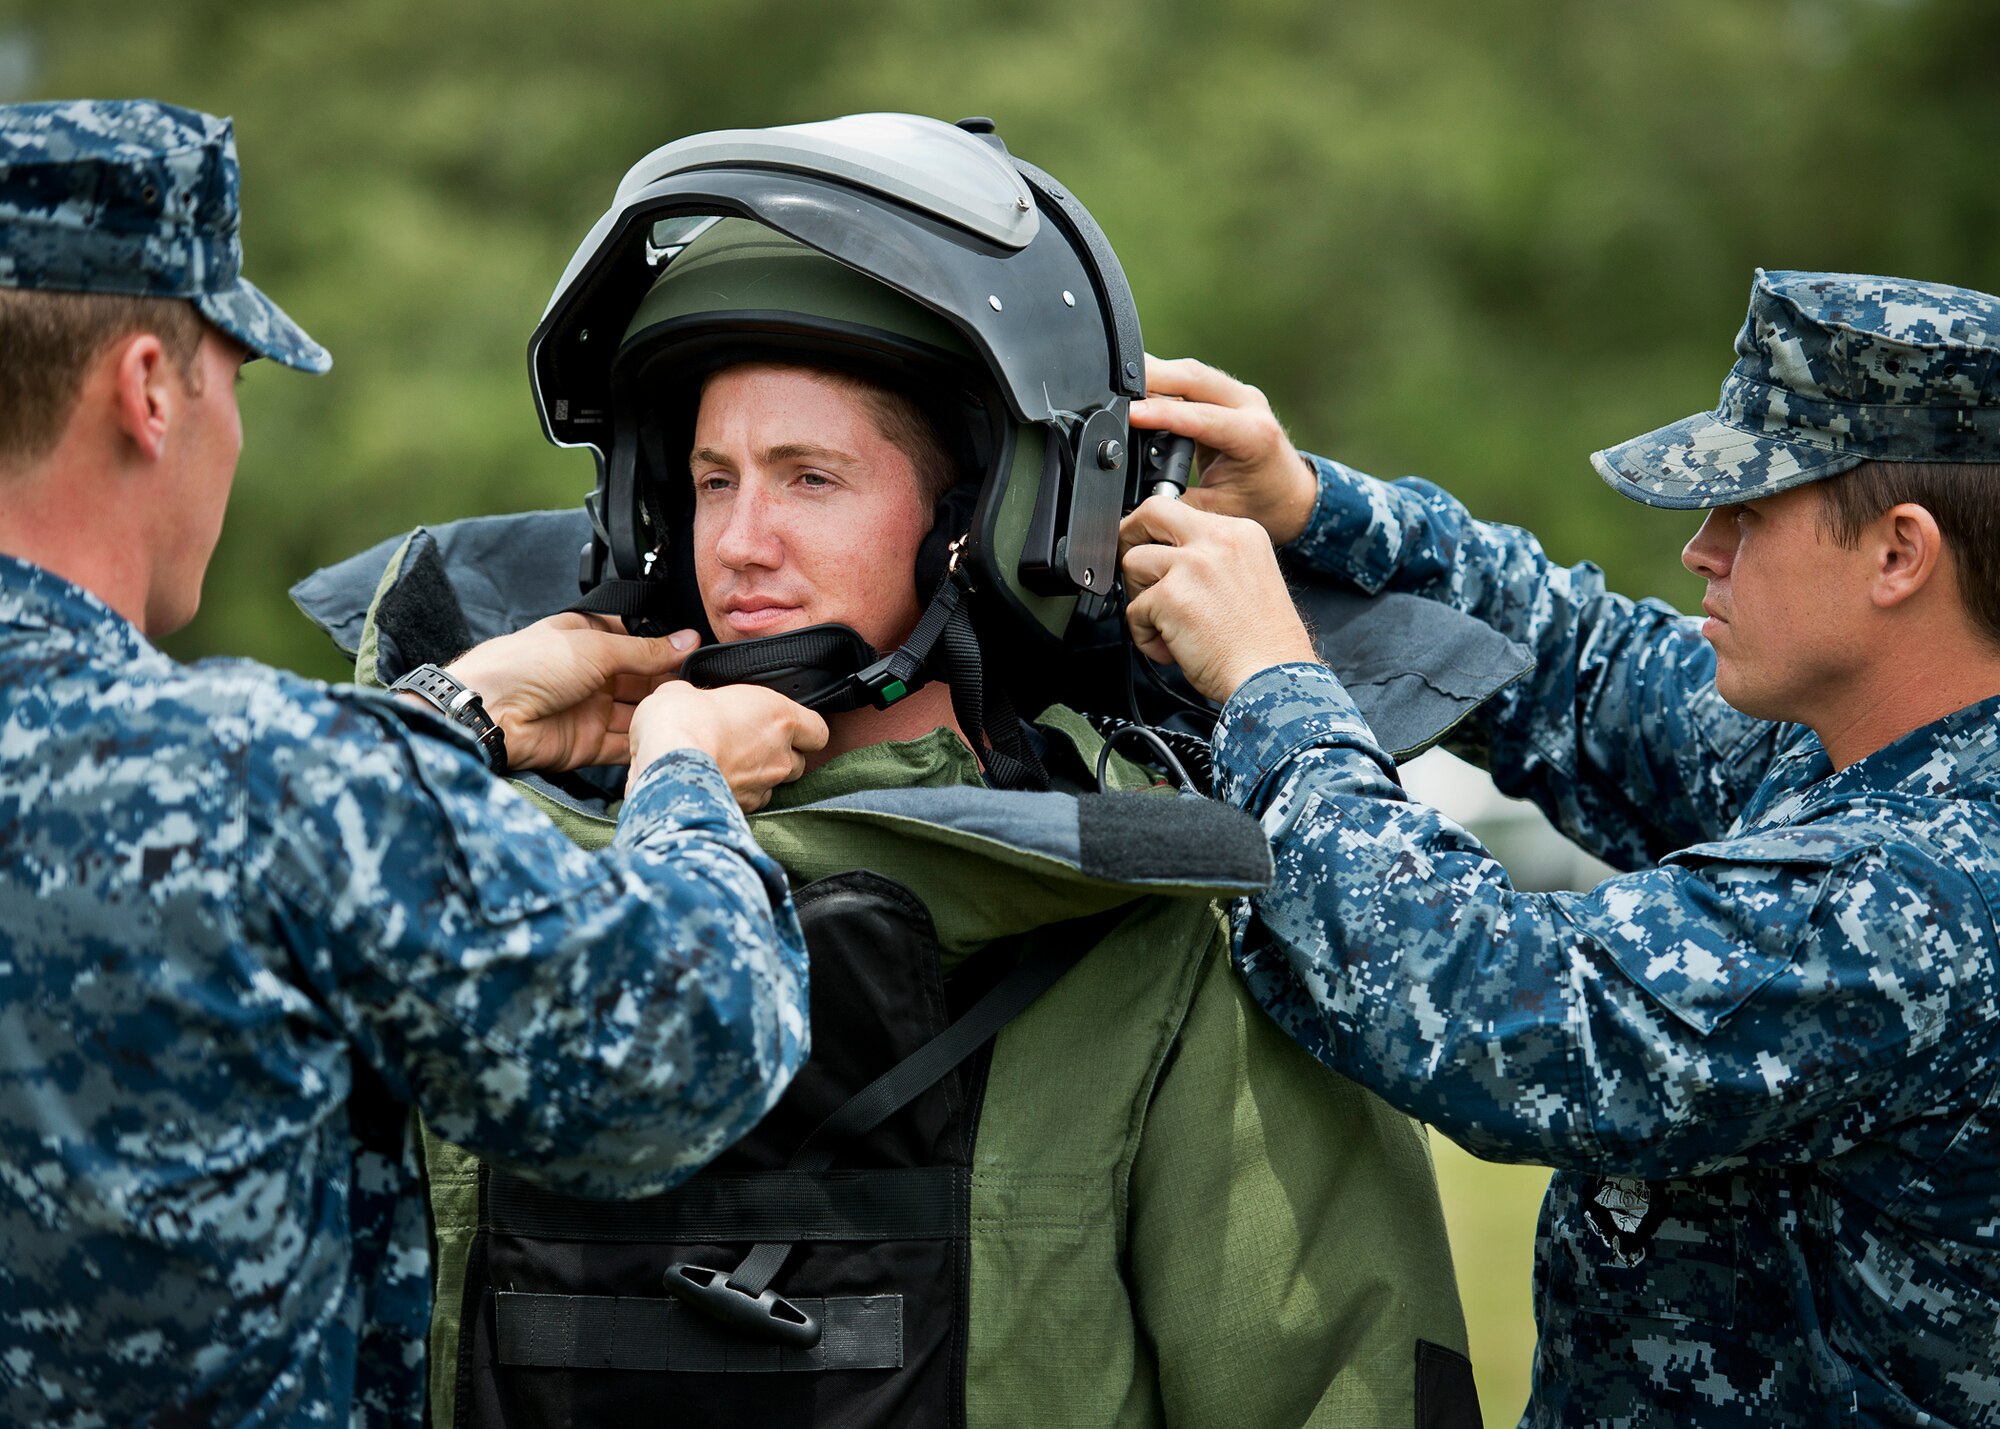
459, 705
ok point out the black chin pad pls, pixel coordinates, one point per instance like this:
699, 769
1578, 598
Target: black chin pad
808, 665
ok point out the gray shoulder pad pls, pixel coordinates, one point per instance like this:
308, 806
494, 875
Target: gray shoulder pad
1415, 667
1183, 845
465, 581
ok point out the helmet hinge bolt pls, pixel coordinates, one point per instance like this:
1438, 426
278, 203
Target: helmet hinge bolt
1109, 454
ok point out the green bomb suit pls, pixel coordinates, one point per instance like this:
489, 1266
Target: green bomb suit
1171, 1214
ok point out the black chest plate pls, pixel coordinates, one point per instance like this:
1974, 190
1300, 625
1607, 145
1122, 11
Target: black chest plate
566, 1319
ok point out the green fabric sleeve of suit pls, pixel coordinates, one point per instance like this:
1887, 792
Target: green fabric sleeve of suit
1287, 1244
452, 1177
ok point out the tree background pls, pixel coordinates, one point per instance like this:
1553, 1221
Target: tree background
1471, 240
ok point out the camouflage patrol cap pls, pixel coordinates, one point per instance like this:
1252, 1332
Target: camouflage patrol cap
1832, 369
133, 196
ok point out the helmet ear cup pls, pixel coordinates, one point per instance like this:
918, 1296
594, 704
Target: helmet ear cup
647, 505
950, 519
670, 496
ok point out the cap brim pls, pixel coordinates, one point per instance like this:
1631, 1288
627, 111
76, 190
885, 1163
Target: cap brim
261, 325
1704, 461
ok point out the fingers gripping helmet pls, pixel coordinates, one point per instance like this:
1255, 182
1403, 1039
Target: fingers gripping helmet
917, 253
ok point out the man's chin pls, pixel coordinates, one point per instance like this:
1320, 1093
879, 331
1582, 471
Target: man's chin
170, 615
1745, 697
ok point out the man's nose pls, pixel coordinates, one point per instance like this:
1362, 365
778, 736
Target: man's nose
1708, 554
748, 537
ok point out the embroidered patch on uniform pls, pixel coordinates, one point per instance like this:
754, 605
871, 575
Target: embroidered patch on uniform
1623, 1214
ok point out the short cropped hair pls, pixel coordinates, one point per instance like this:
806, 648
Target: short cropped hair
905, 422
48, 341
1964, 497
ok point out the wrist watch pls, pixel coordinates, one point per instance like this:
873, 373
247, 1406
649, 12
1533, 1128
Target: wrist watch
459, 705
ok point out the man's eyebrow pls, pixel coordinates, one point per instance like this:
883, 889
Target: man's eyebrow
810, 451
788, 451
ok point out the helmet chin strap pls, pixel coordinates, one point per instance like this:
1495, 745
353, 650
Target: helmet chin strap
819, 667
831, 669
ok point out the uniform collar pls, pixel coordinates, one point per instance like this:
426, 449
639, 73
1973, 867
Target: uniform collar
1957, 757
34, 598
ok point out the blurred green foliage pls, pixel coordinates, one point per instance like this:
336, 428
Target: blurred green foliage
1490, 1213
1469, 240
1466, 239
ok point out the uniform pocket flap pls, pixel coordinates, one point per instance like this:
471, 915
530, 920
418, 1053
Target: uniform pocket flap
1707, 930
1813, 846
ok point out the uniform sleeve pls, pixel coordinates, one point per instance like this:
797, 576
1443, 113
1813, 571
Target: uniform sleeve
607, 1022
1764, 998
1618, 733
1288, 1250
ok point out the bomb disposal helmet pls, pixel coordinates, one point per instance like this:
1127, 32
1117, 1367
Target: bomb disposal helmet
919, 254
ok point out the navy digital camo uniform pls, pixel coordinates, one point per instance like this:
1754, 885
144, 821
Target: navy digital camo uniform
1765, 1063
247, 919
244, 920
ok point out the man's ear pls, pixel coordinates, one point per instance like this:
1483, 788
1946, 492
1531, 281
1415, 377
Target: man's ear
145, 392
1907, 549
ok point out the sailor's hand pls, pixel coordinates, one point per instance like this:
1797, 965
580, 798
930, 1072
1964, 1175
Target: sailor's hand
1205, 593
564, 689
757, 737
1249, 467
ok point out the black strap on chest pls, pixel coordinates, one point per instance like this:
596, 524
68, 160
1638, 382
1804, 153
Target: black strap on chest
600, 1332
742, 1297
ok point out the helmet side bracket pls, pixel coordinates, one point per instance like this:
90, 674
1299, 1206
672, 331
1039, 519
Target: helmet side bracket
1072, 539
